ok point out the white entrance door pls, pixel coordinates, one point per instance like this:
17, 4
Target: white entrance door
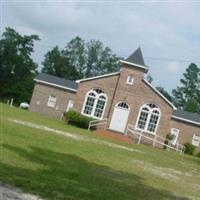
120, 117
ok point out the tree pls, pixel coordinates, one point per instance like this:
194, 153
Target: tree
149, 78
57, 64
17, 68
77, 54
91, 58
187, 96
164, 93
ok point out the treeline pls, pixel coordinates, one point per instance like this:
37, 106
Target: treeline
78, 59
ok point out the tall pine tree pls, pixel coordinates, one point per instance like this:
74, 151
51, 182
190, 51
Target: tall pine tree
187, 96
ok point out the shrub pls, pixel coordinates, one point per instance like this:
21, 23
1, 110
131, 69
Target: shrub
75, 118
198, 154
169, 137
189, 148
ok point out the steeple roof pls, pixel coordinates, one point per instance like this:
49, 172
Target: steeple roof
136, 58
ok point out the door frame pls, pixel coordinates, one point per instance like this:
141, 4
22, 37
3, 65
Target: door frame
125, 109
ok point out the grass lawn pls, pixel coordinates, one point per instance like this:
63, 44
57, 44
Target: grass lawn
59, 167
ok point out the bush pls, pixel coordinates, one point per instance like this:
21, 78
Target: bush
189, 148
75, 118
198, 154
169, 137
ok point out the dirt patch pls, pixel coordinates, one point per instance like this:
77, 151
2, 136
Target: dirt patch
74, 136
8, 192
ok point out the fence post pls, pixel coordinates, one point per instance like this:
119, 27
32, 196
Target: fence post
139, 140
11, 102
154, 141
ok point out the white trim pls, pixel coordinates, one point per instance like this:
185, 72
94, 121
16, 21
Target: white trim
94, 106
196, 140
186, 120
70, 105
128, 79
160, 94
148, 119
51, 101
96, 77
175, 132
133, 64
52, 84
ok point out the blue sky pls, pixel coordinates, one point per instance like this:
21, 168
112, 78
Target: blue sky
163, 30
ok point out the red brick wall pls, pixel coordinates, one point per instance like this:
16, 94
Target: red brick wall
107, 84
186, 131
138, 94
41, 94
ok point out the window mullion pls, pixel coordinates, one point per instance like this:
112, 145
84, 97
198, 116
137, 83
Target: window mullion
148, 120
94, 107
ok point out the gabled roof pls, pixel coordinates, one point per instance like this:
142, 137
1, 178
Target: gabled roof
136, 59
161, 95
186, 116
56, 81
97, 77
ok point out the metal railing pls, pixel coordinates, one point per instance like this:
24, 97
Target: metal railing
132, 130
98, 122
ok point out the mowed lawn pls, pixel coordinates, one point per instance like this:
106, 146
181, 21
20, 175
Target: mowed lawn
55, 166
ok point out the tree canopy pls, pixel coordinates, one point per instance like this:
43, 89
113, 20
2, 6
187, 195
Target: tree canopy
187, 96
58, 64
17, 68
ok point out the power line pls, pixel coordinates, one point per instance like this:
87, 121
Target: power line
150, 58
171, 59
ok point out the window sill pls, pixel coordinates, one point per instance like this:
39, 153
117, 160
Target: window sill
92, 116
145, 131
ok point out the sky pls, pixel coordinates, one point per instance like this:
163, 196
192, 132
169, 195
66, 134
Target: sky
167, 32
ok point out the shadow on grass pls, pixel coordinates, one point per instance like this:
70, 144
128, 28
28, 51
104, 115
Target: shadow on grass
65, 176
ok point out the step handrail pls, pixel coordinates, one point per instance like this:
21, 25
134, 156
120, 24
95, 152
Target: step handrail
98, 122
177, 147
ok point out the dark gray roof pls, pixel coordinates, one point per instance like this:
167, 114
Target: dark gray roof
187, 115
136, 57
56, 80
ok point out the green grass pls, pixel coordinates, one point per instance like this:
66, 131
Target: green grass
58, 167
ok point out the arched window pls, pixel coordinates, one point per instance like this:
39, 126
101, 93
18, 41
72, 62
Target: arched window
148, 118
95, 102
123, 105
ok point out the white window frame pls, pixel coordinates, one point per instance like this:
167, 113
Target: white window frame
196, 139
70, 105
52, 101
150, 113
128, 81
95, 104
175, 132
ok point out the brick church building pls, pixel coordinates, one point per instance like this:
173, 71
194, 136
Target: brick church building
123, 97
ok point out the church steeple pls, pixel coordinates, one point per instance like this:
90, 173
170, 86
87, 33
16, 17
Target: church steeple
136, 59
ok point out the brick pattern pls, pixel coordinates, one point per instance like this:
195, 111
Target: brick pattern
41, 95
186, 131
107, 84
117, 90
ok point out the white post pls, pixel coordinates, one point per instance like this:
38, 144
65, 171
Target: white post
89, 126
140, 137
154, 141
8, 102
105, 124
11, 102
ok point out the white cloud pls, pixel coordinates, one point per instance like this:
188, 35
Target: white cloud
173, 67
